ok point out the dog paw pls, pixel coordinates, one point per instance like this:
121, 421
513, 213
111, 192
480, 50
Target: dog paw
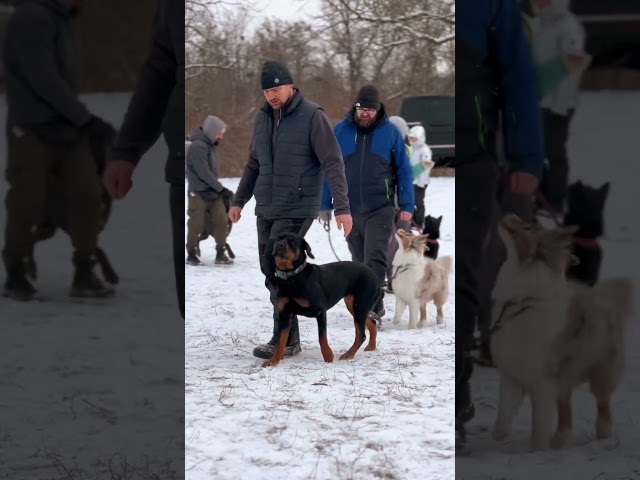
422, 324
369, 348
395, 321
270, 363
328, 358
346, 356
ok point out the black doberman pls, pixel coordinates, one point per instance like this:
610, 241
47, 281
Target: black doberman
311, 290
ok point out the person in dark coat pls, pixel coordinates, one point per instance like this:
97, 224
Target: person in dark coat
495, 75
292, 148
206, 194
157, 106
53, 140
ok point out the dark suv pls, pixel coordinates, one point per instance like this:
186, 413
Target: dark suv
613, 31
437, 114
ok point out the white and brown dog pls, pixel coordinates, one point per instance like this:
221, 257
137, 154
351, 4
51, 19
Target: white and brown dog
550, 335
418, 280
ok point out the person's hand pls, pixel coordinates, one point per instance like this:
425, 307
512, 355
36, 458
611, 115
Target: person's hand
405, 216
345, 221
234, 214
117, 178
325, 216
522, 183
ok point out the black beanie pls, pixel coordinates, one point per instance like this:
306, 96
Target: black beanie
368, 97
274, 74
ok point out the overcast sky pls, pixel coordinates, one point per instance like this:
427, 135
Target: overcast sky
285, 9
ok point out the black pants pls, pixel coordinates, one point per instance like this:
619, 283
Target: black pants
177, 206
369, 242
393, 245
475, 201
268, 232
555, 179
418, 213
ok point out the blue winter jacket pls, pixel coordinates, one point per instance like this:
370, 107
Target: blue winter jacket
495, 72
376, 166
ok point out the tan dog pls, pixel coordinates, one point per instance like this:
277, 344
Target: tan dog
549, 335
418, 280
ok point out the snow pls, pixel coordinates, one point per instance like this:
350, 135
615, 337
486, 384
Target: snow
601, 148
95, 390
384, 414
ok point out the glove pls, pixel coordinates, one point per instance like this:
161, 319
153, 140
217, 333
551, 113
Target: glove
227, 197
325, 216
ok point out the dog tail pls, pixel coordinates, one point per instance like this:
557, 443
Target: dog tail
447, 263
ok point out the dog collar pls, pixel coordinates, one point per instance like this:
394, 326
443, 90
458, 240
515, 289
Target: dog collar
289, 273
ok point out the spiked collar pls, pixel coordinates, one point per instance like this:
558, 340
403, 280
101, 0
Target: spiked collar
284, 274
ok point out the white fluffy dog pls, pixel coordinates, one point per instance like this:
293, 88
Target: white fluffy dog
418, 280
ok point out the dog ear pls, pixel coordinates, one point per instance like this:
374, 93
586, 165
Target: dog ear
604, 191
307, 248
401, 233
439, 220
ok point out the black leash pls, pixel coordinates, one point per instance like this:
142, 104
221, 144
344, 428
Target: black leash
500, 322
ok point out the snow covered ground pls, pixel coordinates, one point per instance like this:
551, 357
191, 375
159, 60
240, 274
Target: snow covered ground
77, 379
602, 147
385, 414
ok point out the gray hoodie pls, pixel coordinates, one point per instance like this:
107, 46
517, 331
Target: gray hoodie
41, 66
203, 163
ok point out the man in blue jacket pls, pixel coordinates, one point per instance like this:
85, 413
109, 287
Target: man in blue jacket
377, 168
495, 75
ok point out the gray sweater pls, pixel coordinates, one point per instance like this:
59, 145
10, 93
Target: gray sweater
203, 162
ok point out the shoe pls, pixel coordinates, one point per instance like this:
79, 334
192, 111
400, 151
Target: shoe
221, 258
193, 260
266, 350
376, 319
85, 282
19, 287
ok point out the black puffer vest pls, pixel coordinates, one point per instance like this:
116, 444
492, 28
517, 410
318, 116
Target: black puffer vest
290, 181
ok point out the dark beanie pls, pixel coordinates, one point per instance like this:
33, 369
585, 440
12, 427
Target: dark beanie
368, 97
274, 74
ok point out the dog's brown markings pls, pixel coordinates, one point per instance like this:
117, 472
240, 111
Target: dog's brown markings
423, 312
279, 351
303, 302
371, 327
281, 303
283, 263
327, 353
373, 334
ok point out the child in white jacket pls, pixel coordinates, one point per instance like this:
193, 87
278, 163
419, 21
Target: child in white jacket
557, 33
421, 165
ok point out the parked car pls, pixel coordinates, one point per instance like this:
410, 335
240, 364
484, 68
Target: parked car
437, 114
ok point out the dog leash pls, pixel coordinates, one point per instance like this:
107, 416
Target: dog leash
475, 345
327, 228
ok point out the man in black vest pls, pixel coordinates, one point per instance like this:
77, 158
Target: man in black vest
292, 147
495, 75
157, 105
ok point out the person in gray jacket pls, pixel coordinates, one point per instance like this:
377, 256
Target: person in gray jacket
51, 137
206, 193
292, 148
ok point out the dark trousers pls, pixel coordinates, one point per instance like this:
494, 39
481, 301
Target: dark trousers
268, 232
31, 167
418, 213
176, 203
555, 179
369, 242
393, 245
475, 200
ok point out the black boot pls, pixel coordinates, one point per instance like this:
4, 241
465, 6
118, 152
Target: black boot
18, 286
221, 257
293, 342
192, 258
85, 282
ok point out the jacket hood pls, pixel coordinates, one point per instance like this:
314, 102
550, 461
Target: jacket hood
556, 8
198, 134
400, 125
419, 133
212, 126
